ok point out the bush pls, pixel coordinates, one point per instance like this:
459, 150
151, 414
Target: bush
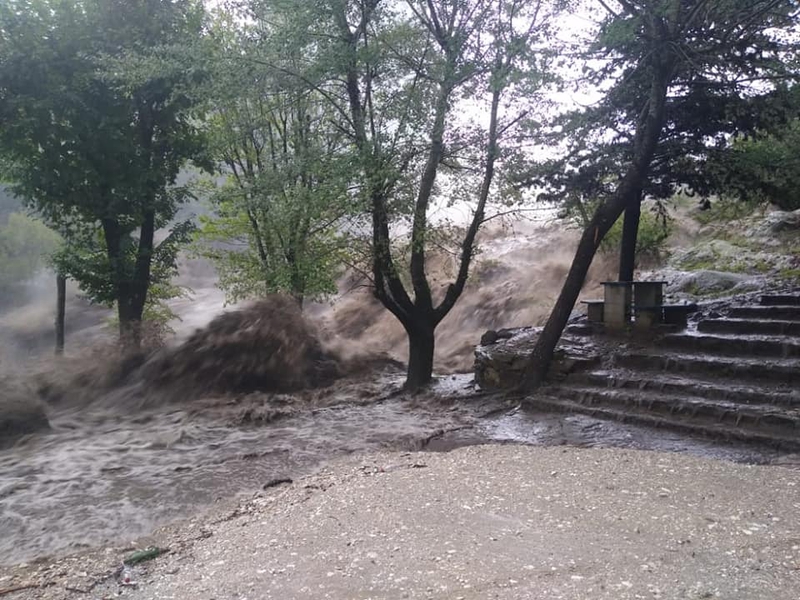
655, 228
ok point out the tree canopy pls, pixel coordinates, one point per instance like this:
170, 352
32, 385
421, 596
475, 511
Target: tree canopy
96, 120
684, 76
425, 93
280, 209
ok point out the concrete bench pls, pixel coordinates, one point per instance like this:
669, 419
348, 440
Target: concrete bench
594, 310
669, 314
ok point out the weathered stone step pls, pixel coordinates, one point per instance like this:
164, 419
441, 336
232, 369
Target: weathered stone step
721, 431
782, 313
750, 327
731, 345
780, 300
766, 417
726, 390
754, 369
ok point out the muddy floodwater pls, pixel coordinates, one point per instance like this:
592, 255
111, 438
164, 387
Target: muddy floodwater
108, 476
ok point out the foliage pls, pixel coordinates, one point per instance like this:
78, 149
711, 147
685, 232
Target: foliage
280, 211
711, 98
405, 84
726, 209
96, 120
655, 228
764, 167
680, 78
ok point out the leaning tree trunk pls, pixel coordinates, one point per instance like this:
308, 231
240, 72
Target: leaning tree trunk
630, 232
61, 305
540, 358
648, 132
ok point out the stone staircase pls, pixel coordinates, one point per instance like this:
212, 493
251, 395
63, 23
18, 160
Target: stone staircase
733, 376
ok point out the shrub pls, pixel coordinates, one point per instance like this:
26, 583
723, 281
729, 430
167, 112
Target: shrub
655, 227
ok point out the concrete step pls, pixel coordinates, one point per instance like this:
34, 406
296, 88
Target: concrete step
727, 390
780, 300
733, 345
644, 416
764, 417
781, 313
774, 371
580, 329
767, 327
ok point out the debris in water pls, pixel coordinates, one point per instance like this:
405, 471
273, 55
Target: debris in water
141, 556
276, 482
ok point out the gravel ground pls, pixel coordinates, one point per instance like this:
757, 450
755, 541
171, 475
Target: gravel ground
500, 522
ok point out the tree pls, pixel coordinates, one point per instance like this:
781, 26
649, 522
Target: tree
679, 70
278, 223
426, 93
95, 123
764, 167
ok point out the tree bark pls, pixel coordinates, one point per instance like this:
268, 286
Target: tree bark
421, 344
648, 133
130, 319
130, 287
542, 354
61, 303
630, 233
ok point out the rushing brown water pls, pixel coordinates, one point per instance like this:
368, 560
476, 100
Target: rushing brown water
105, 474
121, 459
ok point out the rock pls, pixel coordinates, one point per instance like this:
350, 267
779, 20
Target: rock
492, 336
502, 364
780, 221
707, 282
489, 338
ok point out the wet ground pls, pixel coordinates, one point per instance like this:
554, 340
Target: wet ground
104, 475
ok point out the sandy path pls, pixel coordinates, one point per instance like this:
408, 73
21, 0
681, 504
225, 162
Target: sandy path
504, 522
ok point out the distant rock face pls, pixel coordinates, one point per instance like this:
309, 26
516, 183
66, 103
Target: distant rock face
21, 413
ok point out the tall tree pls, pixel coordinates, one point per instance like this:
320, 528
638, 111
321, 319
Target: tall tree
280, 213
680, 73
95, 123
426, 92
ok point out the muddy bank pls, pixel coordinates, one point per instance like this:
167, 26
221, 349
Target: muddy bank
504, 522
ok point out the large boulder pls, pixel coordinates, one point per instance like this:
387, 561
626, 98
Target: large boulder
780, 221
710, 283
21, 412
501, 358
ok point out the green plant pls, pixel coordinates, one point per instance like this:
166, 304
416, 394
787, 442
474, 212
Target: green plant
725, 210
655, 228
